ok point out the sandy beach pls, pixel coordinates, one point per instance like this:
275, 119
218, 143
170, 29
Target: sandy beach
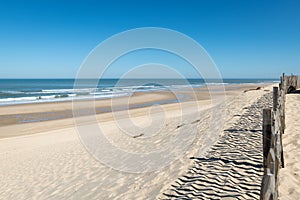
46, 159
289, 176
144, 100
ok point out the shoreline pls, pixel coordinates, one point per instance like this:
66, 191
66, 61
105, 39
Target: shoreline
35, 95
227, 86
30, 118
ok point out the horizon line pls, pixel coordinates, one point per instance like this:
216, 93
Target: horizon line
146, 78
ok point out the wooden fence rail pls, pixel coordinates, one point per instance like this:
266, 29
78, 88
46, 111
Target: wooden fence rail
273, 128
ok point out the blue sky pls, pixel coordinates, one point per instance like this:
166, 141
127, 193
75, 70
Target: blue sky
245, 38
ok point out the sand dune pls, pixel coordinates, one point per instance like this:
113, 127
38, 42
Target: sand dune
289, 177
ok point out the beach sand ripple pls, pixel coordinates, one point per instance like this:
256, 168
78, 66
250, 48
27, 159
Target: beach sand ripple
232, 168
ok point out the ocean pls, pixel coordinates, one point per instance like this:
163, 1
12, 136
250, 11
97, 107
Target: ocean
23, 91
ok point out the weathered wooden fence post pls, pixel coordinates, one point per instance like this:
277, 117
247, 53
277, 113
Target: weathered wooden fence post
275, 98
283, 102
282, 155
267, 132
268, 187
282, 115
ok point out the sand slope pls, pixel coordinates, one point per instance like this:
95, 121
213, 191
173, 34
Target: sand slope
232, 168
289, 177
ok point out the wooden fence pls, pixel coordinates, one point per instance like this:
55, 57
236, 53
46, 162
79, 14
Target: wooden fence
273, 128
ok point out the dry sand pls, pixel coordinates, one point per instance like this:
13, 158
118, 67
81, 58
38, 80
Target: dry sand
289, 177
53, 163
232, 167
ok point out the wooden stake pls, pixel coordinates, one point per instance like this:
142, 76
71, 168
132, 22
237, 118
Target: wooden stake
267, 132
275, 98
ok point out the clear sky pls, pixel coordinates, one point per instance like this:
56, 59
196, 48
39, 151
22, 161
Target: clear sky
245, 38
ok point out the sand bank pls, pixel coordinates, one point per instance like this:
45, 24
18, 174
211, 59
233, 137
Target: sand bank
289, 176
